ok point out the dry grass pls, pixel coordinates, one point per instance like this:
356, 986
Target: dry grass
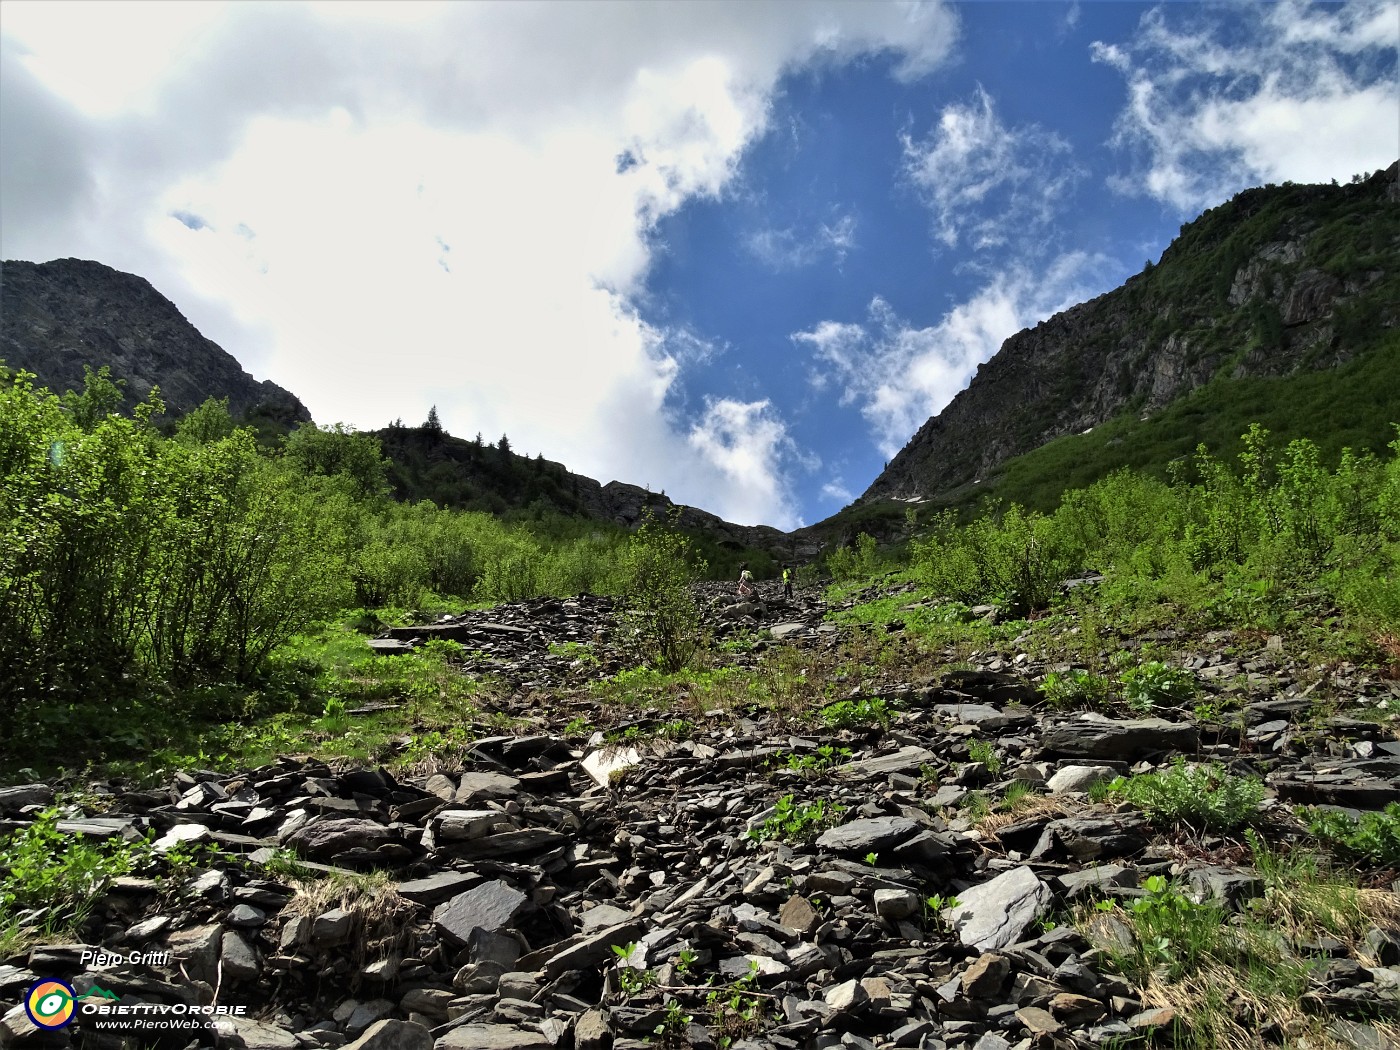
1027, 807
381, 922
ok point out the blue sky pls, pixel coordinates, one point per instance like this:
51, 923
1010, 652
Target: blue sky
737, 252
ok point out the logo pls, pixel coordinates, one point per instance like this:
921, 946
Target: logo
98, 992
49, 1003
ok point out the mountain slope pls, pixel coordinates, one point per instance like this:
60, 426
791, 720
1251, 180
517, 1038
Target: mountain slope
1278, 282
59, 316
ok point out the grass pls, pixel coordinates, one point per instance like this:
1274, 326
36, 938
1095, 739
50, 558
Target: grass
380, 920
1232, 978
1204, 796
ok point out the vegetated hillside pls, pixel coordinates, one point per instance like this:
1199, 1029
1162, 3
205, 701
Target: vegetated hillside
58, 317
1283, 289
427, 463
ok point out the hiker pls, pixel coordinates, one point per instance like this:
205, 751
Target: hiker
745, 580
787, 581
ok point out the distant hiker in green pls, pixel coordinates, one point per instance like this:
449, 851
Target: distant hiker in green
745, 580
787, 581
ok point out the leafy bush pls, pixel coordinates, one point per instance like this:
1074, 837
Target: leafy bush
1373, 837
1075, 688
1153, 683
1207, 796
48, 868
797, 823
661, 616
850, 714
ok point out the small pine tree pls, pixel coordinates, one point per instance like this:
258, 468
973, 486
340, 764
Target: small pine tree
434, 424
504, 446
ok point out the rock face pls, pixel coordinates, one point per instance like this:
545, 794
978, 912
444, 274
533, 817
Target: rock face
56, 317
1231, 280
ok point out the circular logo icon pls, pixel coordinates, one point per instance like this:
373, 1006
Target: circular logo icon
49, 1003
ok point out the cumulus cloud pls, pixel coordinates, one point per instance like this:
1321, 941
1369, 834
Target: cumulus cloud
900, 375
1305, 93
987, 183
444, 204
749, 445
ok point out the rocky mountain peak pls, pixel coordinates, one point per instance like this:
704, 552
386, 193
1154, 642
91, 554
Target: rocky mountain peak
57, 317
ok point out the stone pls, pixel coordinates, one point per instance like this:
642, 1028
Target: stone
331, 927
389, 1034
1078, 778
492, 1037
18, 796
366, 1014
871, 835
601, 765
1228, 886
845, 996
198, 949
1123, 739
1038, 1021
457, 824
238, 959
436, 888
327, 837
591, 1031
985, 975
905, 759
490, 906
590, 950
247, 1034
996, 914
897, 904
181, 835
797, 914
475, 787
1076, 1010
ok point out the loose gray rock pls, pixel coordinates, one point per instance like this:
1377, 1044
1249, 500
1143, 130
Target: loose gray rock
490, 906
997, 914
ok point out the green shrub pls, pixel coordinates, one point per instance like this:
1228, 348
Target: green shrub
1154, 683
1075, 688
50, 869
1372, 837
1207, 796
661, 618
797, 823
851, 714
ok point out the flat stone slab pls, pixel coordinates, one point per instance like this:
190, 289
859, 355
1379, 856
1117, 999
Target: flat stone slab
1123, 739
492, 1037
870, 835
997, 914
329, 837
490, 906
437, 888
901, 761
593, 949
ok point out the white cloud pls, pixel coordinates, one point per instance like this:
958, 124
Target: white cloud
788, 248
748, 445
431, 204
988, 184
900, 375
1306, 92
836, 491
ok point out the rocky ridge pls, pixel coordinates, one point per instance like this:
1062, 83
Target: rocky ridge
1234, 296
58, 316
550, 891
